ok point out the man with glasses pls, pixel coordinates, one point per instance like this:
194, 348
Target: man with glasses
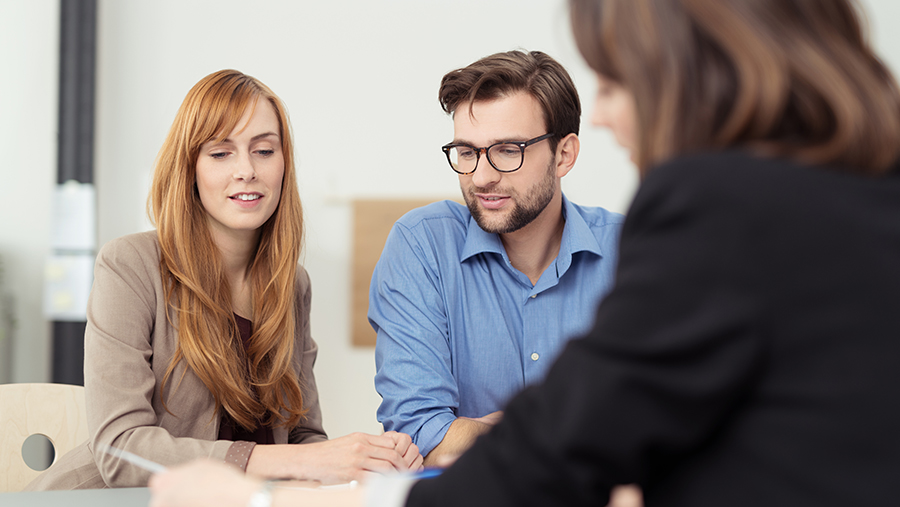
472, 303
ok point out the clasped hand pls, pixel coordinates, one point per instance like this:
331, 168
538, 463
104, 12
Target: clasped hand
354, 457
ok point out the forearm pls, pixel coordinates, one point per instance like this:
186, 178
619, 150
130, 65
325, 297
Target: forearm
460, 436
268, 462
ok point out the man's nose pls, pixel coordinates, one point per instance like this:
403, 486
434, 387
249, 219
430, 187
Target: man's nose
485, 175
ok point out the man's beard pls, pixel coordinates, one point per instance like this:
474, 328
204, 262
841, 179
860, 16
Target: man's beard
525, 209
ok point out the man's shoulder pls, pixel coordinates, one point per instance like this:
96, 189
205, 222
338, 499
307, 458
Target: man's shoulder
436, 230
597, 217
436, 215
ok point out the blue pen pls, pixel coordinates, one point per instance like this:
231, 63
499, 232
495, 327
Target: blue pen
428, 473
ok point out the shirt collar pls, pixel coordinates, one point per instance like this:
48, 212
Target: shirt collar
577, 237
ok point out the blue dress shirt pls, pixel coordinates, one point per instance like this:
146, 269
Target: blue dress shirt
460, 330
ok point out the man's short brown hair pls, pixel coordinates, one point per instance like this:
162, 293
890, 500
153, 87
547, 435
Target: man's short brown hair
503, 74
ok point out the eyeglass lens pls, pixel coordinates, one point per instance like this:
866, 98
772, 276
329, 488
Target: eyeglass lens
504, 157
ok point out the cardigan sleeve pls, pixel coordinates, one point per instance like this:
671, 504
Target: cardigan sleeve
674, 347
121, 372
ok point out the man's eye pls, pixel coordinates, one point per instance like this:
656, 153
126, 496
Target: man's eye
510, 151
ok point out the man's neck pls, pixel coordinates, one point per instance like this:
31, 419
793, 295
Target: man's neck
534, 247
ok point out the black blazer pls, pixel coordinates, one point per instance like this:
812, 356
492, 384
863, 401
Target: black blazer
748, 355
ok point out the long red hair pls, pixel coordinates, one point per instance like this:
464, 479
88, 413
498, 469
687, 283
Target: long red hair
198, 293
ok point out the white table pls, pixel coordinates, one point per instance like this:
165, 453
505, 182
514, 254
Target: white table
121, 497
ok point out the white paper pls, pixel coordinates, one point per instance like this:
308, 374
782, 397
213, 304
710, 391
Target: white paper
74, 212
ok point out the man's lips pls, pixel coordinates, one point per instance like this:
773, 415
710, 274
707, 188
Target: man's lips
491, 201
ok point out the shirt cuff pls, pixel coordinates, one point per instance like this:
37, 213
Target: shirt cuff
389, 490
239, 454
432, 432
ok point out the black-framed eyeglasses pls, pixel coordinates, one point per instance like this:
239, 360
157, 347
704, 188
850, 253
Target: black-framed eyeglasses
505, 157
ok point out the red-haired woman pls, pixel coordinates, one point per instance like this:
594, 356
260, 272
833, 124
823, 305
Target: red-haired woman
198, 338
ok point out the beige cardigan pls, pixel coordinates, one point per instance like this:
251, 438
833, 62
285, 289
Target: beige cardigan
128, 345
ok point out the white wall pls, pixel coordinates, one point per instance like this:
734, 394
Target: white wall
29, 47
360, 80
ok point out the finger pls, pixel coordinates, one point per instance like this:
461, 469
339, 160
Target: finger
402, 443
378, 466
387, 458
418, 464
398, 436
412, 453
386, 441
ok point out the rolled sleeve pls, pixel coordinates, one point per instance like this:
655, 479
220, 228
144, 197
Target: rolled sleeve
414, 375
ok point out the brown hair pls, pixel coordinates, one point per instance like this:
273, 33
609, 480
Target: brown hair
502, 74
192, 270
792, 78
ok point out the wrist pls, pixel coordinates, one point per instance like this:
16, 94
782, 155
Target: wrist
268, 462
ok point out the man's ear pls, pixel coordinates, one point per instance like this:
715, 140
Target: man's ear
566, 154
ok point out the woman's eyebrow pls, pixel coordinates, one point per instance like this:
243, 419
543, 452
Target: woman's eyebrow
252, 139
260, 136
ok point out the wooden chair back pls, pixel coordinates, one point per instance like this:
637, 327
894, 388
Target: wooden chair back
53, 410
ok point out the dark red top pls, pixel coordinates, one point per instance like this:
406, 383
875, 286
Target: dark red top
231, 430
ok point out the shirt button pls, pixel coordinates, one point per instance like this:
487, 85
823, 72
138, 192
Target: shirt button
533, 296
535, 356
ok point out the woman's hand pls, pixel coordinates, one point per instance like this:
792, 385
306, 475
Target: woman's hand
206, 483
403, 444
350, 458
201, 483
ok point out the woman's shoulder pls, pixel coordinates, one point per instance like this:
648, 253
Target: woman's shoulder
743, 171
736, 179
719, 168
301, 280
137, 252
141, 243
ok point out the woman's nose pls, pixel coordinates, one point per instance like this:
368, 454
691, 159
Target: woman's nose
244, 169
